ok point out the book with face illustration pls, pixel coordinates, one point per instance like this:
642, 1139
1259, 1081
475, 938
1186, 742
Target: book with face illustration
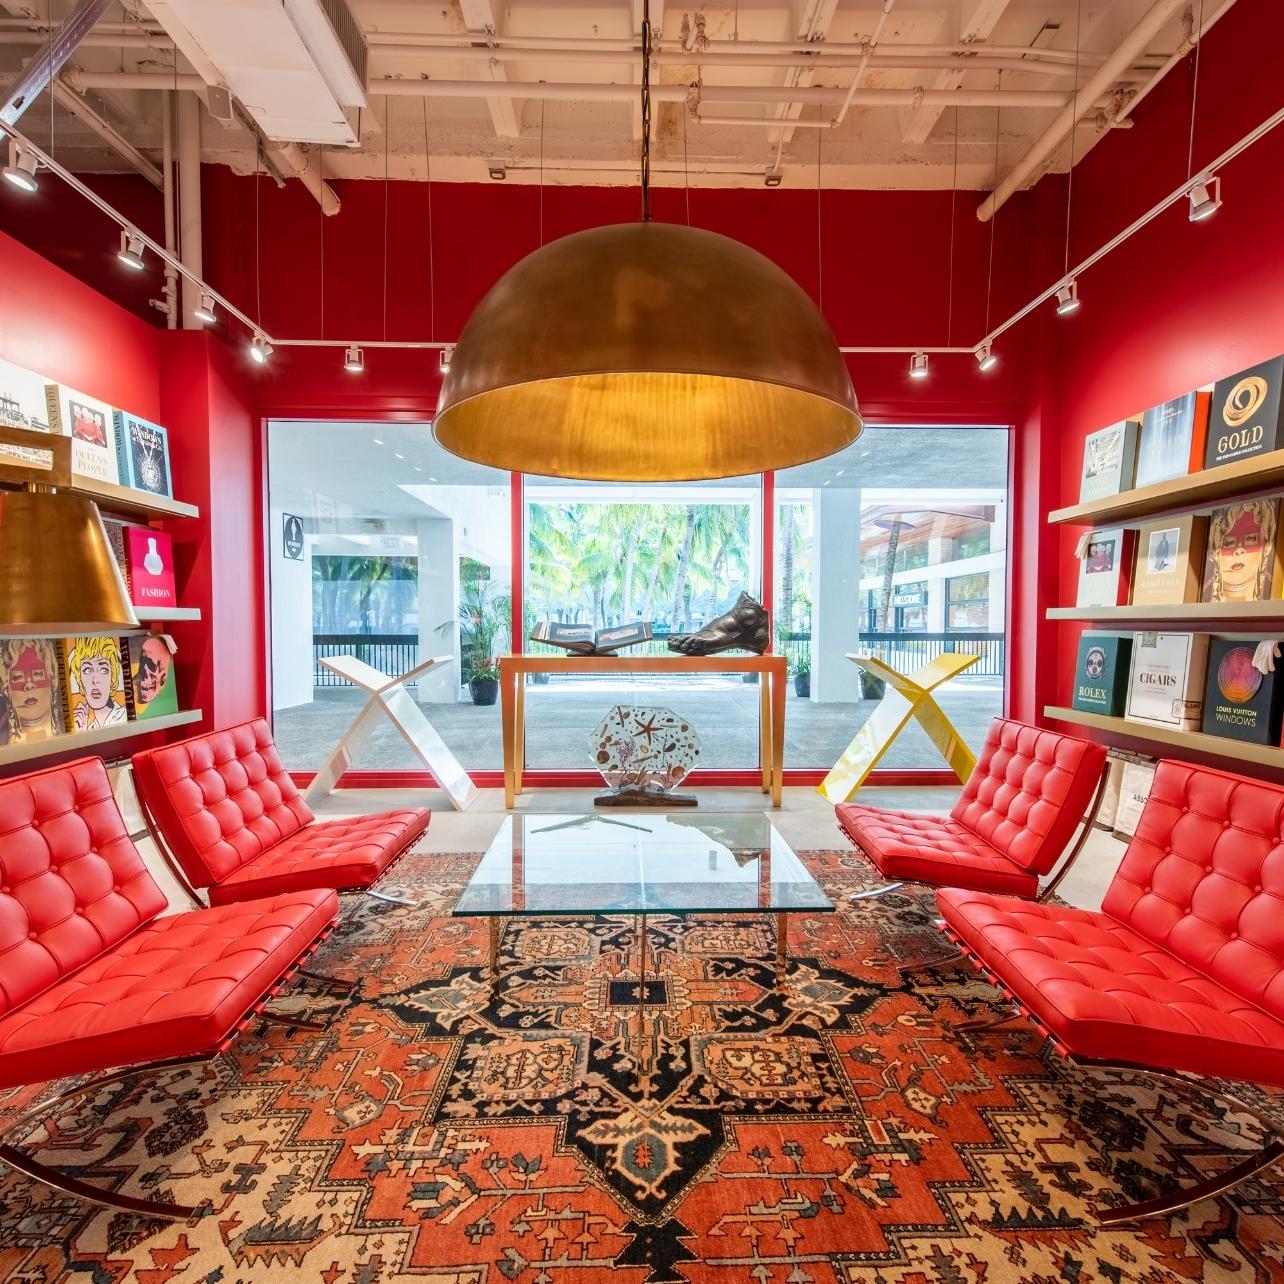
151, 675
31, 705
88, 422
94, 680
1243, 562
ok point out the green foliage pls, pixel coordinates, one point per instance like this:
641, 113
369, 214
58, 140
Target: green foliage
800, 666
484, 669
484, 613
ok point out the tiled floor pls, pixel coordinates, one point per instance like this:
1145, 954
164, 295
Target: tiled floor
805, 820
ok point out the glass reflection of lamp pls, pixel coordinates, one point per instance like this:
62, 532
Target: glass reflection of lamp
60, 575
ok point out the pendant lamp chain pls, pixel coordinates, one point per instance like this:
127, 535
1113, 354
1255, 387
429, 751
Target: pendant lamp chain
646, 111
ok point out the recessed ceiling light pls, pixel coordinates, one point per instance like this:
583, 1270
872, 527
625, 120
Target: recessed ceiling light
397, 456
378, 441
131, 250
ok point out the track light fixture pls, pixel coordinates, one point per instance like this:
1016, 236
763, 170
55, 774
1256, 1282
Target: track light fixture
21, 169
918, 366
1205, 198
131, 250
1067, 298
260, 349
354, 360
204, 310
985, 357
443, 359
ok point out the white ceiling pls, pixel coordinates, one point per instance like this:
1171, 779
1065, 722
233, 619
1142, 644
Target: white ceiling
707, 54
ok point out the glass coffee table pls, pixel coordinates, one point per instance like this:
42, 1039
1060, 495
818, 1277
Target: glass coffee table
549, 865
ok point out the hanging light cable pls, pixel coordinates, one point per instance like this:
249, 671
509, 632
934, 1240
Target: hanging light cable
646, 352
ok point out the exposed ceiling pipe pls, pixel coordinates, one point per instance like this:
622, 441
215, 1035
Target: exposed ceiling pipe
815, 96
190, 237
49, 58
1099, 83
80, 110
864, 63
167, 197
305, 164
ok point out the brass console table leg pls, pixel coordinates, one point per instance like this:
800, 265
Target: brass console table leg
764, 730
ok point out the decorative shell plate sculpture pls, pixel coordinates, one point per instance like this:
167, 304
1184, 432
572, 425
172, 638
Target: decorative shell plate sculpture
644, 747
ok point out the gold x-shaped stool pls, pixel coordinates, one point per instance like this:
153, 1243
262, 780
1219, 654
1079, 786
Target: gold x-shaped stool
906, 697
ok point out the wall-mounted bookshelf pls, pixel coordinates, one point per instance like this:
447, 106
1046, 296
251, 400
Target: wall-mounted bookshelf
1209, 613
147, 615
1228, 481
1193, 741
92, 739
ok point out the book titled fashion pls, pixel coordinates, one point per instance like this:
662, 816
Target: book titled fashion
93, 683
1101, 673
149, 555
1166, 679
1240, 701
583, 639
88, 422
1243, 559
1170, 560
1105, 570
31, 706
142, 454
1172, 439
1109, 460
152, 688
1247, 416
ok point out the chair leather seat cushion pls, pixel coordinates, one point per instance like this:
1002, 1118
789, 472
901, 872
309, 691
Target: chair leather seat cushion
1103, 990
343, 854
932, 849
177, 986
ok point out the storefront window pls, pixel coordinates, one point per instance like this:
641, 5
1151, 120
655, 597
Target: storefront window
384, 547
895, 546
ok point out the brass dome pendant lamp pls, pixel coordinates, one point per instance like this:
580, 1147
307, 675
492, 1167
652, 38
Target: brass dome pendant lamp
646, 352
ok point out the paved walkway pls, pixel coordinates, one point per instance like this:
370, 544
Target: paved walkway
561, 718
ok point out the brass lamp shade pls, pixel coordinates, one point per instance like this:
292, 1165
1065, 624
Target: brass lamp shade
646, 352
57, 572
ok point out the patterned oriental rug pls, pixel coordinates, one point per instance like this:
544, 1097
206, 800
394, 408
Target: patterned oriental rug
442, 1132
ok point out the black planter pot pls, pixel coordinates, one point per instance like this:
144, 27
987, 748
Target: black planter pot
749, 679
802, 684
871, 688
484, 690
540, 679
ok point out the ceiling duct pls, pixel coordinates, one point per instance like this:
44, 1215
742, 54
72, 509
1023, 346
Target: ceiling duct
296, 66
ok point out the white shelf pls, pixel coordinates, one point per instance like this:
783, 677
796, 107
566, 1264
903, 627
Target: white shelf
72, 743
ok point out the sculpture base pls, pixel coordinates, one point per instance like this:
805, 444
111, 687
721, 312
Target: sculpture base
643, 796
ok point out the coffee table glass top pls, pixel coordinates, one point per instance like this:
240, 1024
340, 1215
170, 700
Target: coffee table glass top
668, 863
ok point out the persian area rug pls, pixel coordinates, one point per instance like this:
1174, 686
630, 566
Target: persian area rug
445, 1130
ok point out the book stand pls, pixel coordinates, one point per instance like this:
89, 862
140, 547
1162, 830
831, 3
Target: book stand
906, 697
390, 699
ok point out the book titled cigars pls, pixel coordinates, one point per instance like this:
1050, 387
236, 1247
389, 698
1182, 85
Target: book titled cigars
1101, 673
1247, 415
1240, 701
1166, 680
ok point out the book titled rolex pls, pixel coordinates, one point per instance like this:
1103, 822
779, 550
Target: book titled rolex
1101, 674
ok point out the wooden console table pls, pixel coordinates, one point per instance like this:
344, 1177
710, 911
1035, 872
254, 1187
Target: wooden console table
771, 686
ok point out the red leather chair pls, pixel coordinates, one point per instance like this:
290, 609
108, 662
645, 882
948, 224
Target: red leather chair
228, 818
1180, 974
94, 978
1018, 810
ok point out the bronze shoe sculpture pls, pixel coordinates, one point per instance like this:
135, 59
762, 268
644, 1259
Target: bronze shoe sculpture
746, 625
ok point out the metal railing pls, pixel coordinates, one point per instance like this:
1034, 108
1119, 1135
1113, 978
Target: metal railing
392, 653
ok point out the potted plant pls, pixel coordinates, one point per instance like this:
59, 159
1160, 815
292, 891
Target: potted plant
872, 687
483, 685
801, 669
482, 623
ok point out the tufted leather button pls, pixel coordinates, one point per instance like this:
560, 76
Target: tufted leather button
115, 887
1226, 824
31, 936
1257, 891
1234, 936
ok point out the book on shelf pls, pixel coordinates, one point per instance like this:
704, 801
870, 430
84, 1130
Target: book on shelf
1166, 680
1105, 570
93, 683
116, 538
1240, 701
1247, 416
31, 702
149, 554
88, 422
1136, 779
1101, 673
22, 405
1245, 557
1109, 460
1172, 438
1170, 560
142, 454
583, 639
152, 686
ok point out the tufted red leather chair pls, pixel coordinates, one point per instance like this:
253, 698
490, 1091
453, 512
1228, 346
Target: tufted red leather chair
92, 974
1181, 971
1014, 818
235, 823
